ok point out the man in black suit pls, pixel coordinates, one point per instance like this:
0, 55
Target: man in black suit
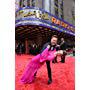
63, 46
52, 44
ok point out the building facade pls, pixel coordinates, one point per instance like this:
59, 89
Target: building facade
37, 20
64, 9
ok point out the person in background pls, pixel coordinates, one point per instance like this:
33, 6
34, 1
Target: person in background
17, 48
63, 47
57, 48
73, 51
23, 48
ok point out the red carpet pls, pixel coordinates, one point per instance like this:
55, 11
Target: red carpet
62, 74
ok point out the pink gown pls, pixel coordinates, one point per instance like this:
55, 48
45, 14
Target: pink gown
35, 64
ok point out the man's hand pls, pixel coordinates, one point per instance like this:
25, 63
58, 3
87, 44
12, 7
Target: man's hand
57, 45
60, 52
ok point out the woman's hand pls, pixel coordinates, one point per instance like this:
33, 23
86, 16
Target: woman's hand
48, 46
55, 54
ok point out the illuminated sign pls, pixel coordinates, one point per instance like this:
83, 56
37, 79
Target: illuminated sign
63, 24
28, 13
33, 13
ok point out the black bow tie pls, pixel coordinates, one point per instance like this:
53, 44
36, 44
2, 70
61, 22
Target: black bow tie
52, 48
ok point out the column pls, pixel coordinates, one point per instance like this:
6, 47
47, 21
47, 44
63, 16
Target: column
47, 5
52, 7
60, 8
17, 4
25, 3
26, 46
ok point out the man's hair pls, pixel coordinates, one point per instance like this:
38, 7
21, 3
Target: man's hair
54, 36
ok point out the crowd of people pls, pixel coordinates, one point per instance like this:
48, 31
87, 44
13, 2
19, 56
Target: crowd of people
20, 48
35, 49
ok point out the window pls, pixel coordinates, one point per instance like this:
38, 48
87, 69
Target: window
56, 11
61, 6
60, 9
39, 3
20, 3
56, 7
62, 16
73, 16
23, 3
56, 2
73, 11
50, 5
28, 3
33, 3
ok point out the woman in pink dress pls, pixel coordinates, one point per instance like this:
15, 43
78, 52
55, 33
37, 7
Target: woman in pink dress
36, 63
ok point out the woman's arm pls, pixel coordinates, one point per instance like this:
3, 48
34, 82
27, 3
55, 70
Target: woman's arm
52, 55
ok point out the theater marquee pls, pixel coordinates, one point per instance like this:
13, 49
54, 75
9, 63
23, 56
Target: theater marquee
41, 17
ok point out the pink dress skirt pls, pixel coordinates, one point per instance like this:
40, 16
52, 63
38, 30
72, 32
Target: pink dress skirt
35, 64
